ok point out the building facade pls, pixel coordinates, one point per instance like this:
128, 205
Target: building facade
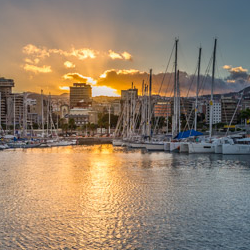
80, 95
228, 106
6, 86
216, 112
162, 109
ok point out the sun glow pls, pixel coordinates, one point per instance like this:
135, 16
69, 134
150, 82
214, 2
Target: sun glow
104, 90
64, 88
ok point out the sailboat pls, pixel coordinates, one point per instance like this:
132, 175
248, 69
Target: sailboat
176, 125
207, 145
184, 145
154, 144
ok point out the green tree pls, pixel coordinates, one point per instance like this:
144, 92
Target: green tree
245, 114
72, 124
65, 128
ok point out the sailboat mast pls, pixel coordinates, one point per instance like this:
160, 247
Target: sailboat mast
14, 112
174, 119
149, 103
197, 90
0, 112
178, 102
212, 91
47, 116
42, 113
25, 114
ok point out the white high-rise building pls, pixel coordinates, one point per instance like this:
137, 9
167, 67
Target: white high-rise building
216, 112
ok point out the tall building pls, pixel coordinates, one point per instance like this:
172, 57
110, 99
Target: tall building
129, 94
14, 101
216, 112
228, 106
162, 109
6, 86
80, 95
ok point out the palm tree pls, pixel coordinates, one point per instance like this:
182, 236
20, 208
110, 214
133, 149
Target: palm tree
71, 124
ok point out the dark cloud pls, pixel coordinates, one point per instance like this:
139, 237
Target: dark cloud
163, 83
237, 75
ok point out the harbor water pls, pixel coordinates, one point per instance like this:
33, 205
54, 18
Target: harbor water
101, 197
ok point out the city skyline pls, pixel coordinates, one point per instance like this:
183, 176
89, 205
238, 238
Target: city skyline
51, 44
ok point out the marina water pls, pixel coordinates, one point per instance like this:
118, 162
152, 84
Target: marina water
100, 197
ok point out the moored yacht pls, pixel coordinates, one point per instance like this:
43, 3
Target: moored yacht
155, 146
240, 147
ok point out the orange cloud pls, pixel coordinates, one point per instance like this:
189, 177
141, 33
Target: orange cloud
31, 49
127, 56
81, 54
80, 78
227, 67
36, 69
124, 56
69, 65
85, 53
113, 55
238, 70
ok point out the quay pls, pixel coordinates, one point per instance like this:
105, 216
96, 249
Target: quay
94, 140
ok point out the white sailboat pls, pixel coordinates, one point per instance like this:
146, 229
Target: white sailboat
206, 146
240, 147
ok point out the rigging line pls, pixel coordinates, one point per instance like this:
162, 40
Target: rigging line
169, 80
166, 69
185, 113
203, 83
192, 81
183, 55
157, 121
220, 54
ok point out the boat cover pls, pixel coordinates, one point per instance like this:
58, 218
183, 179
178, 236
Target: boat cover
188, 133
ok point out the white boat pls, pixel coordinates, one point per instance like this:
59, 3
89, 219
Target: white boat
117, 142
58, 143
167, 146
137, 145
240, 147
202, 147
184, 147
174, 146
3, 146
44, 145
155, 146
16, 144
219, 142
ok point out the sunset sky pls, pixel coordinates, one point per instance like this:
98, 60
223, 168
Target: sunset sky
49, 44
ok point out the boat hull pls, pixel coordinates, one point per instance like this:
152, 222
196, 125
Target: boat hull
184, 147
201, 148
117, 143
174, 146
154, 146
137, 145
235, 149
166, 146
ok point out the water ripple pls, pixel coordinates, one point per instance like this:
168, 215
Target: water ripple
100, 197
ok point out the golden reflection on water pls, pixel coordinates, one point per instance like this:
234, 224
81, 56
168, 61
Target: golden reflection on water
99, 201
100, 197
